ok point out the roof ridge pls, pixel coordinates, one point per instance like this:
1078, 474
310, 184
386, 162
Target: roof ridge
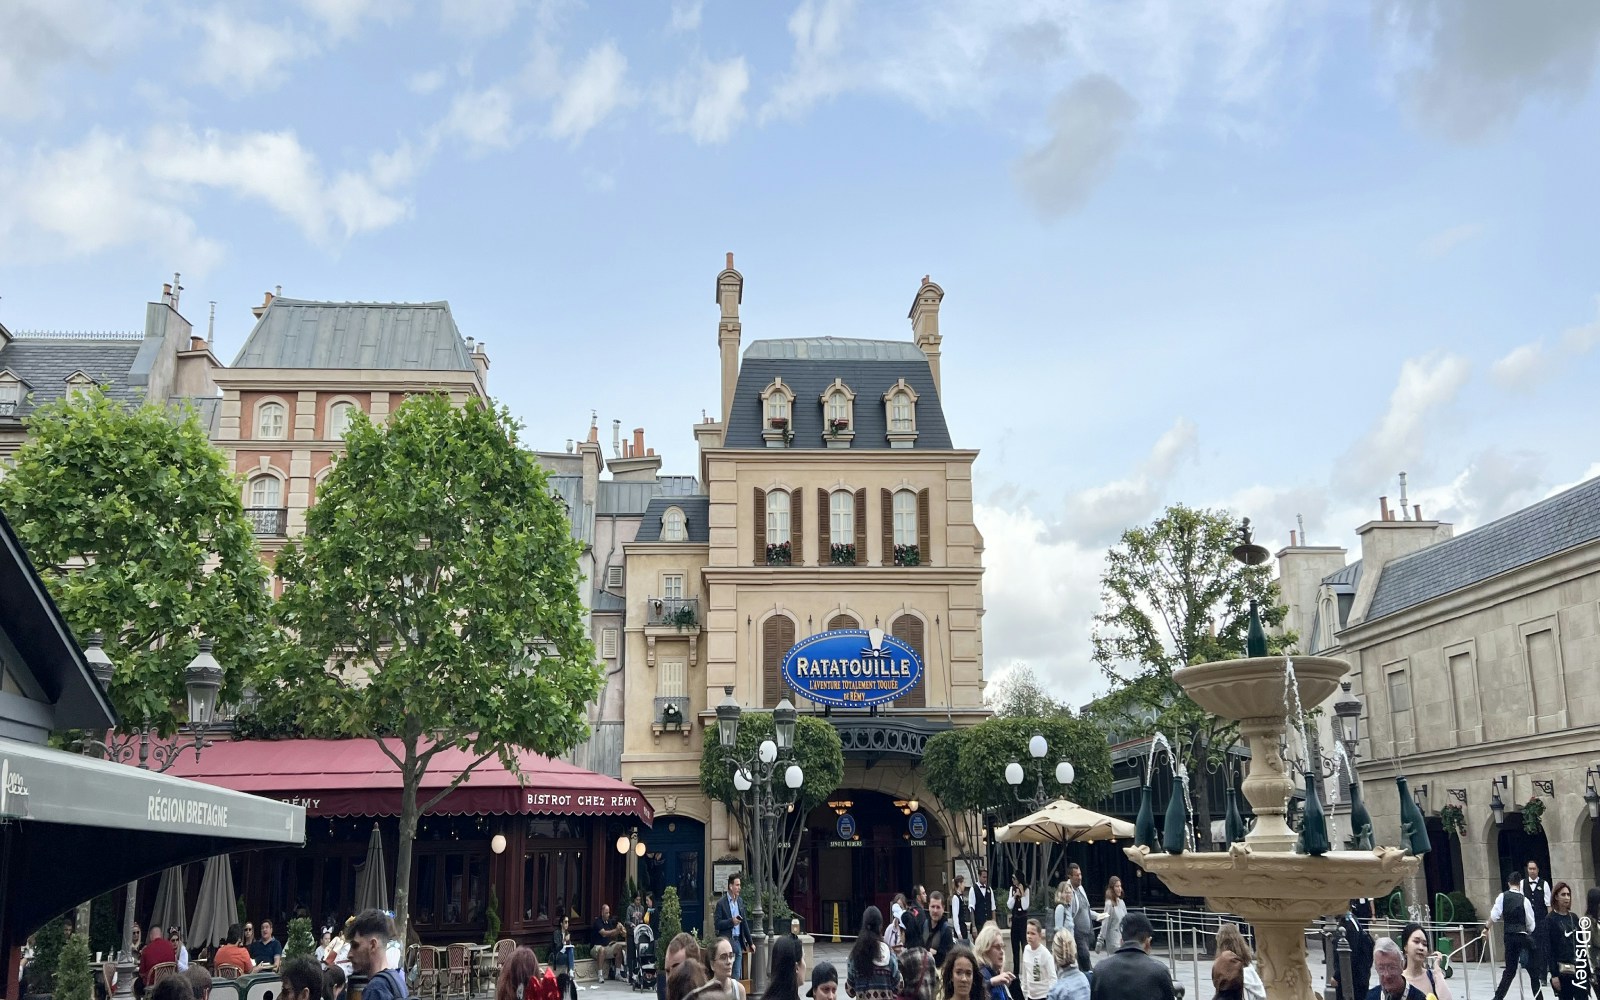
1518, 514
436, 304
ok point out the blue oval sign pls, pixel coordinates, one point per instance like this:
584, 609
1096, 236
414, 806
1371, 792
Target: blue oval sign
852, 668
918, 825
847, 827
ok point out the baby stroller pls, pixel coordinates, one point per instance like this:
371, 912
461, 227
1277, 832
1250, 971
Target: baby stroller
643, 957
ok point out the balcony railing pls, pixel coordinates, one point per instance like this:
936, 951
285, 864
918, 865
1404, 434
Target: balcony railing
271, 521
674, 612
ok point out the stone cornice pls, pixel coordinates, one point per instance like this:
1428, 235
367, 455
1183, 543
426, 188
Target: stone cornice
1500, 753
362, 379
831, 456
1538, 575
860, 575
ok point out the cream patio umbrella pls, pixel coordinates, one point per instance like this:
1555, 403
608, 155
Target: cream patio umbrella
1063, 822
169, 910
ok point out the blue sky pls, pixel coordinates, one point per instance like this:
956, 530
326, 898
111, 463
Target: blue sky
1262, 254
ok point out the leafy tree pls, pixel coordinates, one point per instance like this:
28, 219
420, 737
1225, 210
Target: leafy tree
1021, 695
817, 750
144, 487
435, 598
966, 769
1173, 595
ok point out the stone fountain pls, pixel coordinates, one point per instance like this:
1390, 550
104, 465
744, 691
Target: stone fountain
1263, 880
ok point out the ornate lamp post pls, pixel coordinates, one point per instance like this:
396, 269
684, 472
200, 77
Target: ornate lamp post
755, 775
145, 747
1038, 749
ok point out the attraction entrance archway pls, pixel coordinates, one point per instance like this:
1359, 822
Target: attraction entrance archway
676, 850
861, 848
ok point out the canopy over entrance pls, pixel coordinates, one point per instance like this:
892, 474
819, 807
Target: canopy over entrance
356, 778
73, 827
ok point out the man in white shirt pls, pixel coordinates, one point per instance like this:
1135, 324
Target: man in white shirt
1512, 909
1081, 917
960, 909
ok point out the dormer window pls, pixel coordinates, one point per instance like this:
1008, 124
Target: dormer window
78, 383
900, 412
674, 527
777, 405
838, 415
10, 394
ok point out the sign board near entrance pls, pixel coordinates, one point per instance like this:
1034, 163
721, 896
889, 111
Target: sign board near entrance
852, 668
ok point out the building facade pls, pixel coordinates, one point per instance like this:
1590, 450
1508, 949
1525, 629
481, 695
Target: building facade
1477, 659
834, 498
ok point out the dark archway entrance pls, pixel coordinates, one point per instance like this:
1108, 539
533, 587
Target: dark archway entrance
1517, 847
884, 858
676, 848
1442, 867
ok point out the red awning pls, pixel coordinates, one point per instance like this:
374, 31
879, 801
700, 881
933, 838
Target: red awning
356, 778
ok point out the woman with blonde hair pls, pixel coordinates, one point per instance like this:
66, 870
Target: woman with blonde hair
991, 950
1071, 983
1063, 920
1230, 938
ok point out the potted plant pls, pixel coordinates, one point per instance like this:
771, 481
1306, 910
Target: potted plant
300, 941
74, 981
907, 555
844, 554
1533, 816
682, 618
1453, 820
778, 423
491, 917
841, 424
779, 554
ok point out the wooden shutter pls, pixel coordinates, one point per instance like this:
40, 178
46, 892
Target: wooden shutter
824, 536
842, 621
797, 535
761, 527
888, 528
777, 636
908, 629
861, 527
924, 548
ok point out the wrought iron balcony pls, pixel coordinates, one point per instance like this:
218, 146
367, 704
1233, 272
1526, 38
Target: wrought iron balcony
268, 521
681, 613
672, 711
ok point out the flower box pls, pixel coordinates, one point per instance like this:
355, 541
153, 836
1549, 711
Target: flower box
779, 554
778, 423
844, 554
907, 555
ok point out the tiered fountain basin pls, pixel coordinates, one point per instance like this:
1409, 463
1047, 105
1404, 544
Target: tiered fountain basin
1262, 880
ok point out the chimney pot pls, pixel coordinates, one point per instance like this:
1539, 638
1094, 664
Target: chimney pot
166, 291
1416, 509
730, 260
926, 278
1383, 508
638, 442
1293, 541
651, 452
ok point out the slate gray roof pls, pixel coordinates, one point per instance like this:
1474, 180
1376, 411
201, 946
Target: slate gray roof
696, 516
607, 602
1347, 576
809, 365
44, 363
1566, 520
366, 335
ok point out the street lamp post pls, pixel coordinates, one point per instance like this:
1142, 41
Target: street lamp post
755, 775
146, 748
1038, 750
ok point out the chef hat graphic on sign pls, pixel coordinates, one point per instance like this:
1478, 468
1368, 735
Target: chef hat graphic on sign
875, 637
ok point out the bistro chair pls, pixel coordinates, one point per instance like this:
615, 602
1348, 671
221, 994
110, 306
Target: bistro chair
427, 971
502, 953
162, 971
459, 983
226, 971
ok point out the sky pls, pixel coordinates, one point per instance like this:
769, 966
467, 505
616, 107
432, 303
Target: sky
1258, 255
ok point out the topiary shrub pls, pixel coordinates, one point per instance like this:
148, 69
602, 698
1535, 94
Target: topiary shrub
300, 941
74, 980
491, 916
47, 945
671, 915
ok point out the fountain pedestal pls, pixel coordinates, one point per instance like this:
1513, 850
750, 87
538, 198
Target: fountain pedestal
1280, 893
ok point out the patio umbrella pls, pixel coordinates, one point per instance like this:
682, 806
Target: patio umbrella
169, 910
1062, 822
216, 907
372, 888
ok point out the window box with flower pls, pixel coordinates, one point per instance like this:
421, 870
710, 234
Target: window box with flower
907, 555
844, 554
779, 554
778, 422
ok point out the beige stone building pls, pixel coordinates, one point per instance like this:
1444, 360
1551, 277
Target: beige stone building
1477, 659
834, 498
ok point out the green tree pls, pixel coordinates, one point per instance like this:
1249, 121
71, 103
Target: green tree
1021, 695
671, 917
435, 599
300, 941
1171, 595
817, 750
74, 980
144, 487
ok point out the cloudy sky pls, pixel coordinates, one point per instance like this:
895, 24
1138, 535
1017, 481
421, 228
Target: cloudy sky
1259, 254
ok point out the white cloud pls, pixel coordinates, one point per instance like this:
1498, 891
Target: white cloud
1468, 69
817, 27
1526, 365
477, 19
427, 82
42, 37
686, 15
1442, 244
343, 18
594, 90
1398, 439
1089, 123
241, 54
482, 118
1097, 516
109, 191
709, 102
1588, 474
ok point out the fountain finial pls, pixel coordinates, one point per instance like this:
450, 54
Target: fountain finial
1251, 554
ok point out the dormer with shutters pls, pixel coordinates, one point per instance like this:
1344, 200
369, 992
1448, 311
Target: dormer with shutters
907, 534
777, 414
841, 526
838, 415
777, 516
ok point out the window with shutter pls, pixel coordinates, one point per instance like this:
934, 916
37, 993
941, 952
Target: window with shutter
842, 621
797, 525
909, 629
674, 679
777, 636
608, 644
924, 529
860, 501
886, 514
760, 521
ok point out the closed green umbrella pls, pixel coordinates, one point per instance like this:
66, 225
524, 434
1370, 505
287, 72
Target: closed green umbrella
216, 908
372, 885
169, 910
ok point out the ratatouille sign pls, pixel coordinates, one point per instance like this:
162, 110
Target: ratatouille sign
852, 668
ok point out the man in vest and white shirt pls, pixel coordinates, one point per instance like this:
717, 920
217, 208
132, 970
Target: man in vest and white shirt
1537, 891
960, 909
1516, 913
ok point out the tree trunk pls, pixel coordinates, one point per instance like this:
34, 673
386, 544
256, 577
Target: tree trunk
411, 777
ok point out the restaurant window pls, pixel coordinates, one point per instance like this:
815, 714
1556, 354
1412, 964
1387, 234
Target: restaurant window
554, 879
427, 898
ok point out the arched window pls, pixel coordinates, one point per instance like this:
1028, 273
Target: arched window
777, 637
266, 491
842, 518
905, 518
271, 418
838, 406
900, 412
842, 621
910, 630
673, 527
777, 517
777, 407
339, 419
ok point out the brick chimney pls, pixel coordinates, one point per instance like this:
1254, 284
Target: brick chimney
638, 463
1301, 570
480, 362
730, 293
924, 318
261, 310
1385, 540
